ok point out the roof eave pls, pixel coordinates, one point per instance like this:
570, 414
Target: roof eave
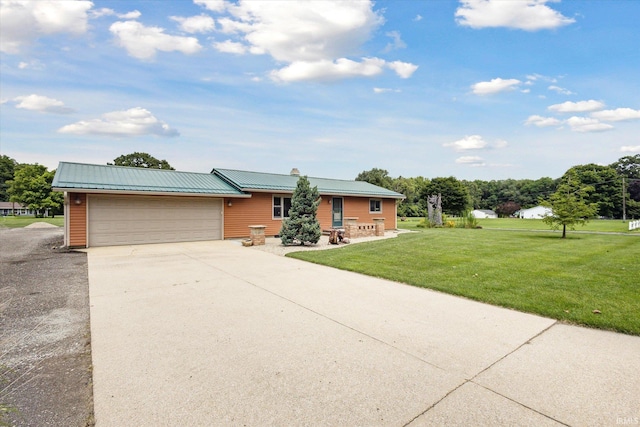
327, 193
150, 193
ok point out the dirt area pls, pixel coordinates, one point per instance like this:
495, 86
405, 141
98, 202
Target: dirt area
45, 351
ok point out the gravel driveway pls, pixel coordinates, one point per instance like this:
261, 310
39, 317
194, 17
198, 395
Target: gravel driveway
45, 353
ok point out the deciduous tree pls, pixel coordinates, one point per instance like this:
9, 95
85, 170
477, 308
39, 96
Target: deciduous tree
141, 160
7, 169
375, 176
455, 196
31, 186
570, 205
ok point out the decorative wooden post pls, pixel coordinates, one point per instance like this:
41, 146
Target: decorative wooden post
257, 234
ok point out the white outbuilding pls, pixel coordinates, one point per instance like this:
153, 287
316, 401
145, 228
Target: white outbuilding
483, 213
537, 212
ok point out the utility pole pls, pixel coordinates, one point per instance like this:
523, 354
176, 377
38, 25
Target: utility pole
624, 202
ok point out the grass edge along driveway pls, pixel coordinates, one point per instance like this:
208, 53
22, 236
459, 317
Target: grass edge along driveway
585, 279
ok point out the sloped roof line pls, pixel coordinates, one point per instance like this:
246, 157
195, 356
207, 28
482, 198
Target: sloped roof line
121, 178
259, 181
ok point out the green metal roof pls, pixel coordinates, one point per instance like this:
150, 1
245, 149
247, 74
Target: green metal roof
80, 176
257, 181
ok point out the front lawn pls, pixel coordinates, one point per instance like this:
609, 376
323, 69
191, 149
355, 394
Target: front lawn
596, 225
565, 279
23, 221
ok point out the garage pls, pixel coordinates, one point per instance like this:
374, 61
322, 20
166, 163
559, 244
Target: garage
126, 220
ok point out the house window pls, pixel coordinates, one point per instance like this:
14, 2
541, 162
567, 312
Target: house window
281, 206
375, 205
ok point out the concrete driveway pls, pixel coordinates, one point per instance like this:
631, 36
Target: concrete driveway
212, 333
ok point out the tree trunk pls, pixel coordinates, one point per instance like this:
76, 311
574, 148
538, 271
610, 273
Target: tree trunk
564, 231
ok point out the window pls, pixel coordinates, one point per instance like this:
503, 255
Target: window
281, 206
375, 205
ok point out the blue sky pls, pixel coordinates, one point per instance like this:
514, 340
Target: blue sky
476, 89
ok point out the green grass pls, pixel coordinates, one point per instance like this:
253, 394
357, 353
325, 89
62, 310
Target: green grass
535, 272
598, 225
23, 221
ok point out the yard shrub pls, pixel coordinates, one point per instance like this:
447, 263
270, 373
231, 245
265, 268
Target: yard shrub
467, 220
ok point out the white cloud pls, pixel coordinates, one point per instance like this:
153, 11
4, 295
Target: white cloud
402, 69
129, 15
384, 90
97, 13
143, 42
469, 142
314, 40
396, 43
195, 24
630, 148
617, 115
543, 121
577, 107
560, 90
212, 5
23, 22
41, 104
495, 86
500, 143
529, 15
418, 18
586, 124
132, 122
471, 161
328, 70
306, 31
229, 46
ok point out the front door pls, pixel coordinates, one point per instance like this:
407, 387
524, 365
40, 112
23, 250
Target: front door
336, 217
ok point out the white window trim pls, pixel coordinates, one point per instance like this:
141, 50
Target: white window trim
273, 205
375, 212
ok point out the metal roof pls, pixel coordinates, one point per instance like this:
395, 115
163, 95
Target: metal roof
257, 181
107, 178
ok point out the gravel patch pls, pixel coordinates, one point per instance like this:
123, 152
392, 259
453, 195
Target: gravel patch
41, 224
45, 353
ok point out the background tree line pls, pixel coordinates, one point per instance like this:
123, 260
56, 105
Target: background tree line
509, 195
30, 185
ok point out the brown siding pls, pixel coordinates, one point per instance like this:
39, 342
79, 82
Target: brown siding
359, 207
258, 211
324, 212
246, 212
77, 220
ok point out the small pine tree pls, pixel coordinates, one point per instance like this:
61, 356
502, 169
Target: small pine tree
302, 225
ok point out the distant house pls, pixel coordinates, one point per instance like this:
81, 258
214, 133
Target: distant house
483, 213
13, 208
537, 212
115, 205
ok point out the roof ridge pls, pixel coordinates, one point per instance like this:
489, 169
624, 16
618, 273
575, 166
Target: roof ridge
286, 174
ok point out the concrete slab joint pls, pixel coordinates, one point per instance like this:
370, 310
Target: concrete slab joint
257, 234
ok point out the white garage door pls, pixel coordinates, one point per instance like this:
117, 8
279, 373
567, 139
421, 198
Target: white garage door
130, 220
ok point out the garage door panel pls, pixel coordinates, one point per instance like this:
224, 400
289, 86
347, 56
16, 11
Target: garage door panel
123, 220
